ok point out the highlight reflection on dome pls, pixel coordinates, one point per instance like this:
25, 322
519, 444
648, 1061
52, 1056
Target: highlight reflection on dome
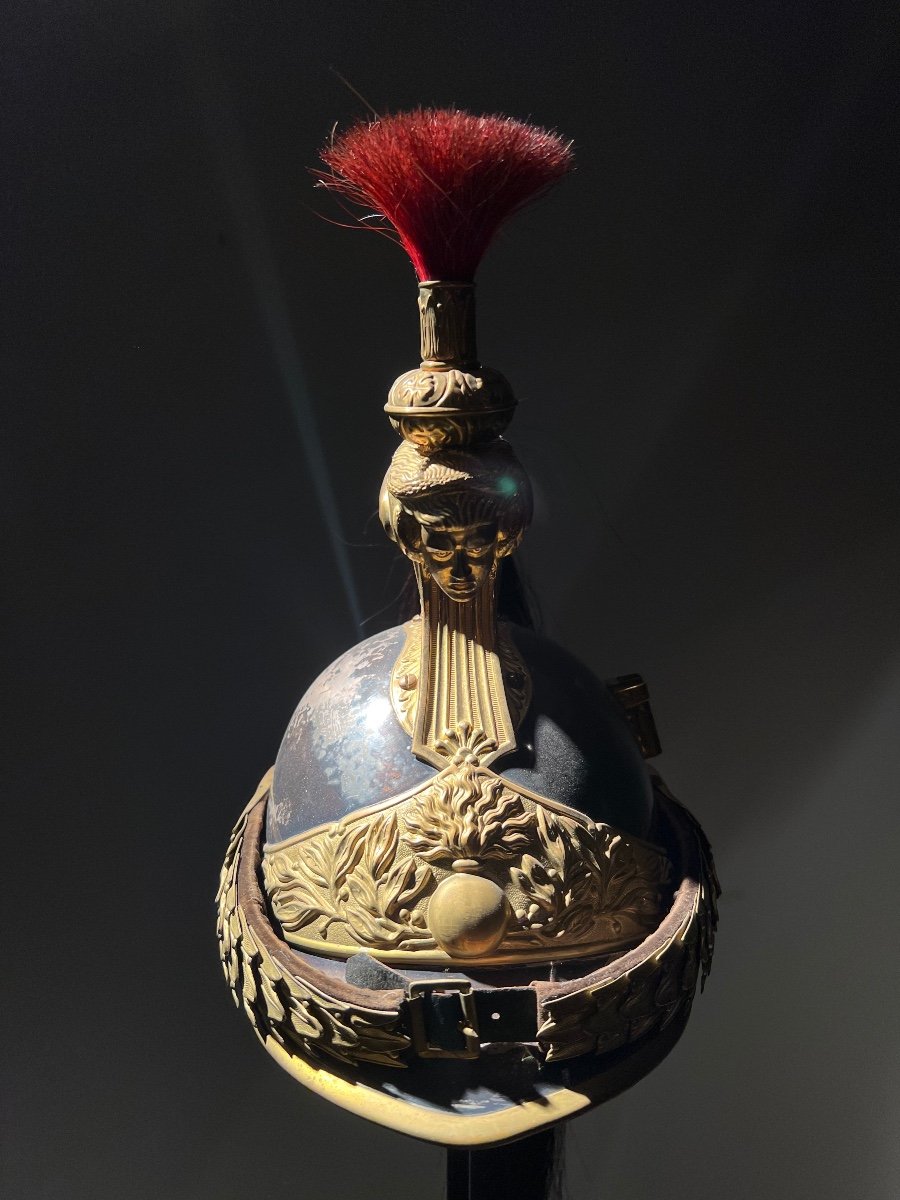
345, 749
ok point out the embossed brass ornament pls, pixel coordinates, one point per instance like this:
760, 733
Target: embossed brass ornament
451, 399
573, 889
461, 853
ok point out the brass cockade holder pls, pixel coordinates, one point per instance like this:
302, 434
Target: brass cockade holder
461, 905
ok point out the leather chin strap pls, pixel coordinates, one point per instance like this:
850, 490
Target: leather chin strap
447, 1016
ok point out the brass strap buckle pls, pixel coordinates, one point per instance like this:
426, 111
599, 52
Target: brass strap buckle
416, 992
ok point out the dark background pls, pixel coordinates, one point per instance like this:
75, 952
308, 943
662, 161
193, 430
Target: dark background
701, 325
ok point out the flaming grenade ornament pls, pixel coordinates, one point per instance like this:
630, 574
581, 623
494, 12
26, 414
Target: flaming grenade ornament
461, 905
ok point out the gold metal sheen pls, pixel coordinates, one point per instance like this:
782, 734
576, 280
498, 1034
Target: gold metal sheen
405, 689
477, 1130
447, 324
468, 915
574, 889
455, 514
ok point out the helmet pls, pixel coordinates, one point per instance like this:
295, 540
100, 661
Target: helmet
461, 904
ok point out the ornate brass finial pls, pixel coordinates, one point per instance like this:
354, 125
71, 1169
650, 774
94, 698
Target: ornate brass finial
456, 500
449, 401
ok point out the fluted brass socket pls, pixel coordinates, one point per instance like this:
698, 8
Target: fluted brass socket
450, 400
447, 323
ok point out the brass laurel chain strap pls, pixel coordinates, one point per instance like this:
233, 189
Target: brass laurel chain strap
283, 1005
300, 1008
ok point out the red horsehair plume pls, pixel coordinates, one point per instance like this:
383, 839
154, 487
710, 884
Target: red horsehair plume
444, 180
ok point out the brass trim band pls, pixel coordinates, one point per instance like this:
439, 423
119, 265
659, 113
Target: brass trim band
530, 880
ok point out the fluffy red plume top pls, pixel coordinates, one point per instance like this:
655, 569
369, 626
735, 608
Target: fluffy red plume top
444, 180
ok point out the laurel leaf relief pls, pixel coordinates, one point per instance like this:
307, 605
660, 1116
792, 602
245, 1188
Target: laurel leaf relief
356, 877
561, 891
308, 887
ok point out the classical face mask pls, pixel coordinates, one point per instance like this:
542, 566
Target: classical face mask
459, 558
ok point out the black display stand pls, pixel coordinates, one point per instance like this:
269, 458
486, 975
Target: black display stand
524, 1170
